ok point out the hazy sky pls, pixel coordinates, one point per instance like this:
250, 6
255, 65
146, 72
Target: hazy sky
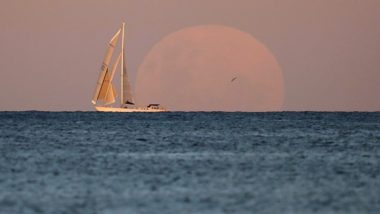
51, 51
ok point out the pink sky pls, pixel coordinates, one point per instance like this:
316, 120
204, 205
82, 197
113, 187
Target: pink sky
51, 51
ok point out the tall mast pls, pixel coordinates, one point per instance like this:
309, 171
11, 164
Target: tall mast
122, 66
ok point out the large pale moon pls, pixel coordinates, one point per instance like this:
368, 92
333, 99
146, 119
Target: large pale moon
210, 68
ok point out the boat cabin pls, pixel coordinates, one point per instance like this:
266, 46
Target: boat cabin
154, 106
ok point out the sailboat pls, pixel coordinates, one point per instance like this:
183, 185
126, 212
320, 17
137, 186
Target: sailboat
105, 95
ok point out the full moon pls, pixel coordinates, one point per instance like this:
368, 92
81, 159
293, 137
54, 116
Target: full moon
210, 68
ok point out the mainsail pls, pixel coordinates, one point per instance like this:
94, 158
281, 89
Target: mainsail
126, 92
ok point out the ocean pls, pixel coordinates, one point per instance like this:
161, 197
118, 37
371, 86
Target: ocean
189, 162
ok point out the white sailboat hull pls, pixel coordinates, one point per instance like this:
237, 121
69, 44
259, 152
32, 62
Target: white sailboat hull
136, 109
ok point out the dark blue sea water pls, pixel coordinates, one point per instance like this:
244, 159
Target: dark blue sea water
89, 162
